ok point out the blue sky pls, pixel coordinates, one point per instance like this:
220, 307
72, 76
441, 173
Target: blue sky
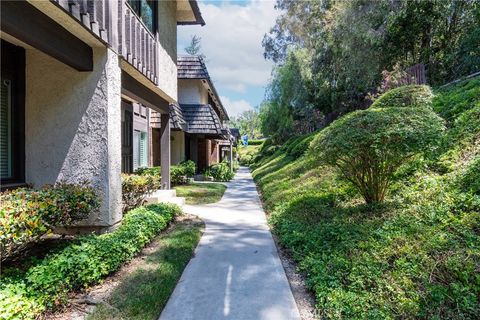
231, 41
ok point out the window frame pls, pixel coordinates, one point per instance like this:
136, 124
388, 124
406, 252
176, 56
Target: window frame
138, 137
13, 68
139, 15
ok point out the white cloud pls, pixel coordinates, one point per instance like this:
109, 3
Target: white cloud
235, 107
239, 87
231, 41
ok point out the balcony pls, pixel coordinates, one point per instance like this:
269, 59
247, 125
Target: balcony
138, 45
116, 24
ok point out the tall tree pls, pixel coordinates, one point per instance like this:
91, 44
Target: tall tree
195, 47
345, 46
248, 122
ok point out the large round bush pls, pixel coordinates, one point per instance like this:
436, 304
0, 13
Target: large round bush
367, 146
406, 96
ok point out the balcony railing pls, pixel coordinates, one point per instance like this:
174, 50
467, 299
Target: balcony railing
92, 14
139, 46
129, 36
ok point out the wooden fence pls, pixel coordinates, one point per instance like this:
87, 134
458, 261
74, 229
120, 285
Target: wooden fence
415, 75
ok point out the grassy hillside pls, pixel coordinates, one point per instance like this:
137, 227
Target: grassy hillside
415, 256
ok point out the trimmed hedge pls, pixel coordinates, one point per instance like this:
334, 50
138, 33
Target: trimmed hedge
83, 263
405, 96
27, 214
368, 146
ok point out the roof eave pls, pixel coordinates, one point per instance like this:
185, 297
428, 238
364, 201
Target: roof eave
224, 111
197, 14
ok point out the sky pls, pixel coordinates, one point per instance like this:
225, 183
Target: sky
232, 44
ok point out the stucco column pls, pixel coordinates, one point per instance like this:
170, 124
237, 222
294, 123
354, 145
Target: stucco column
165, 150
73, 129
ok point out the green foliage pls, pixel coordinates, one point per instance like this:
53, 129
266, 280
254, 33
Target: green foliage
453, 100
85, 262
143, 293
255, 142
136, 187
247, 153
27, 214
368, 146
189, 168
220, 172
415, 256
248, 122
289, 109
330, 54
299, 145
178, 173
413, 96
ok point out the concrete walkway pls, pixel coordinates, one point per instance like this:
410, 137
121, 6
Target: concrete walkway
236, 272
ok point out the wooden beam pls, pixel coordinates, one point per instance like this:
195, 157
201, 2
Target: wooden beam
165, 151
137, 91
31, 26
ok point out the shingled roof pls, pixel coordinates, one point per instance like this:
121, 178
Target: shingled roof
201, 119
177, 121
193, 67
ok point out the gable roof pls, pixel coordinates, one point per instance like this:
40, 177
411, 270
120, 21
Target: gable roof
201, 119
193, 67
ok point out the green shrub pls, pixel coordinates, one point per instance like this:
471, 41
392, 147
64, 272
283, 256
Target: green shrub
178, 173
269, 151
81, 264
368, 146
247, 154
267, 143
452, 101
135, 188
27, 214
189, 168
416, 257
150, 171
220, 172
406, 96
255, 142
300, 146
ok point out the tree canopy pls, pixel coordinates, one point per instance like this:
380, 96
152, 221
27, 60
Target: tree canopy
330, 55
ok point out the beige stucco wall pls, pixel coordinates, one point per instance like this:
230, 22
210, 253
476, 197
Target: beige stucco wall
167, 48
191, 91
177, 147
73, 127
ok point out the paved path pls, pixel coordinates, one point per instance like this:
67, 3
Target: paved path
236, 272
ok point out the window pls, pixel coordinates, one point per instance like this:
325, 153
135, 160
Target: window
12, 114
145, 9
140, 149
6, 130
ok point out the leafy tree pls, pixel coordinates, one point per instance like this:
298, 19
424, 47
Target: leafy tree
349, 44
195, 47
368, 146
290, 109
248, 122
